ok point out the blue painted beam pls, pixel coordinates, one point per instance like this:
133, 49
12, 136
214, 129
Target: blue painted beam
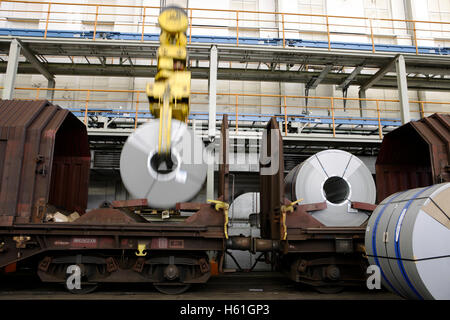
14, 32
251, 117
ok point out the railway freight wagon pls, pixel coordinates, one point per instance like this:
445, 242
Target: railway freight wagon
44, 169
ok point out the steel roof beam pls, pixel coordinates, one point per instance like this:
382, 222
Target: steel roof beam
345, 84
102, 61
35, 62
428, 70
115, 70
421, 64
245, 53
315, 81
380, 74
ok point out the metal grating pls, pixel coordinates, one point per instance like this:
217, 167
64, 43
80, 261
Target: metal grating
107, 159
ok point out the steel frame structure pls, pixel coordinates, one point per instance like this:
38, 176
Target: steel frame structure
129, 58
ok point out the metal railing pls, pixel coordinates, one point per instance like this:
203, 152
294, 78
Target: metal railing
236, 23
286, 109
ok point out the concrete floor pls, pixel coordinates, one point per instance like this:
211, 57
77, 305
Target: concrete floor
237, 286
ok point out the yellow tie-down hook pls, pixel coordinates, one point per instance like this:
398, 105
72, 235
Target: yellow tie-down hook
284, 210
141, 248
225, 206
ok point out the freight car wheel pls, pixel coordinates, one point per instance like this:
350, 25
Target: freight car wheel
87, 271
85, 288
329, 289
172, 288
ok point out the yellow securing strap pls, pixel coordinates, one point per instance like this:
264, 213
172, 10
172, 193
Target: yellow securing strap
224, 206
284, 210
161, 113
168, 129
165, 123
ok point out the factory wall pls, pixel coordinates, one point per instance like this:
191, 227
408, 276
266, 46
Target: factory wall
304, 27
106, 185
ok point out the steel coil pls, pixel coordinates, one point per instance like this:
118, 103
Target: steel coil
408, 238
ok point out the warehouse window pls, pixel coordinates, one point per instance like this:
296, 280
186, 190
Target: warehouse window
379, 9
311, 6
248, 22
310, 23
19, 15
178, 3
314, 26
439, 10
244, 5
109, 18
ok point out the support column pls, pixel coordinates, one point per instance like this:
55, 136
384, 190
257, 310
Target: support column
212, 93
51, 93
362, 103
212, 90
402, 89
210, 173
421, 96
11, 70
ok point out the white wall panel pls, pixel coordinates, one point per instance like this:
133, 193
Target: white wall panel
296, 26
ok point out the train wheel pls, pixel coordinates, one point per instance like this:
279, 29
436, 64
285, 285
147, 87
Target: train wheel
86, 271
172, 288
329, 289
85, 288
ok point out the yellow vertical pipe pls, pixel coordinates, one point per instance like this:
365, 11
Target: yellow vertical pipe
143, 25
285, 116
95, 23
415, 37
328, 34
237, 28
137, 108
46, 22
190, 26
236, 106
422, 112
371, 36
332, 115
380, 131
86, 107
